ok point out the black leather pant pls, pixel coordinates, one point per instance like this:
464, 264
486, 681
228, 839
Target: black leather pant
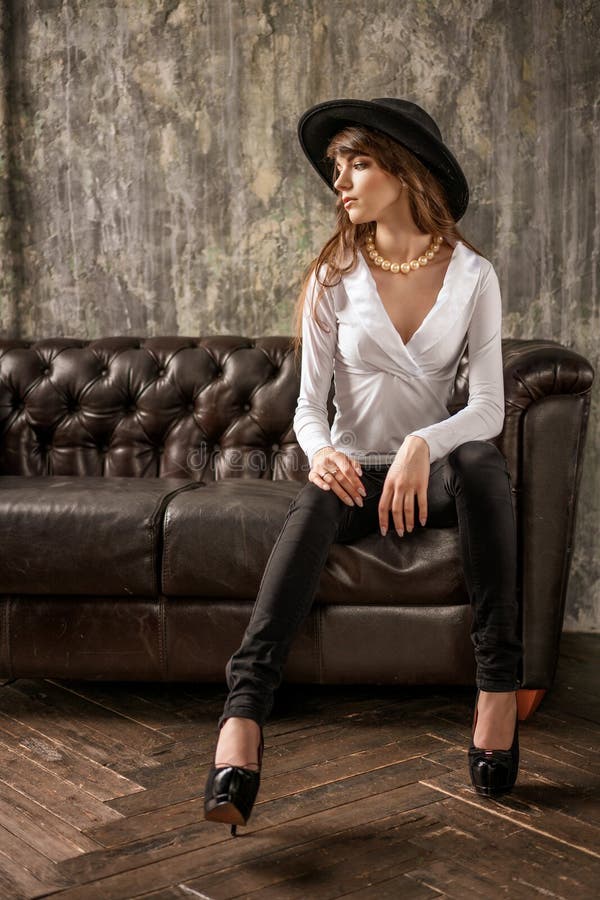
470, 486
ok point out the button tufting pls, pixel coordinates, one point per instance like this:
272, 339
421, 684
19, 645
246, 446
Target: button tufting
161, 371
275, 447
104, 371
246, 406
191, 407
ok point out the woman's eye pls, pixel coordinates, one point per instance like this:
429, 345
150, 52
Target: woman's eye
337, 171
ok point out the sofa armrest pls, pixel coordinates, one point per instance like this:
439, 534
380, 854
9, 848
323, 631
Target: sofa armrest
548, 395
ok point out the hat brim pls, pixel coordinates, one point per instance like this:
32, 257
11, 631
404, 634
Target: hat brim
318, 125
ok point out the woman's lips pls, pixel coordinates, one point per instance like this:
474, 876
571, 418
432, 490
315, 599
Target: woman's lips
346, 202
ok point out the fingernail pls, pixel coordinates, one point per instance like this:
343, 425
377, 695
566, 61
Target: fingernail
359, 470
422, 521
384, 531
362, 492
400, 533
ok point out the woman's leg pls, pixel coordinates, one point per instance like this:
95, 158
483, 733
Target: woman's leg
315, 519
476, 475
475, 480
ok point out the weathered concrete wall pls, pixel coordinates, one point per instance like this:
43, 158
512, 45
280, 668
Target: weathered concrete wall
151, 180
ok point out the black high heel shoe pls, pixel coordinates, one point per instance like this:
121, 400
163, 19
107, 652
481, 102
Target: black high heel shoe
493, 772
230, 791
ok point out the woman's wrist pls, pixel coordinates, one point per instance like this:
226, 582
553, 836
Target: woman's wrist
415, 439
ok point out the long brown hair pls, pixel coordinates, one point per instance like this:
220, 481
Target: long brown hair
428, 206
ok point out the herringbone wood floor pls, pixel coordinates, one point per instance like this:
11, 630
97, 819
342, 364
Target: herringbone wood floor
365, 793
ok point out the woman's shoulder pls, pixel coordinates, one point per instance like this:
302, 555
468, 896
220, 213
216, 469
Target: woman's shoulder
331, 275
470, 254
342, 261
477, 264
320, 292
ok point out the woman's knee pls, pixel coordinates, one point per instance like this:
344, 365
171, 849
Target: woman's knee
477, 465
312, 497
475, 455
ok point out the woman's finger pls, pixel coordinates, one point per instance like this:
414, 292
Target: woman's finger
334, 480
409, 509
316, 479
398, 510
422, 501
347, 478
336, 471
343, 478
383, 508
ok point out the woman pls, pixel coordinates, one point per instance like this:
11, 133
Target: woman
411, 295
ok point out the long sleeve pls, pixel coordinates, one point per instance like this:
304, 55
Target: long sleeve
311, 424
483, 417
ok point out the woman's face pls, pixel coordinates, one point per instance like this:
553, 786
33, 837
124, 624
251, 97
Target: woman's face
374, 191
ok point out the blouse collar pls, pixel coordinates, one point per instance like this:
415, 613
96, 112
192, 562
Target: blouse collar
460, 282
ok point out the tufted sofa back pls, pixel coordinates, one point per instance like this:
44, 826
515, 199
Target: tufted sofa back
200, 408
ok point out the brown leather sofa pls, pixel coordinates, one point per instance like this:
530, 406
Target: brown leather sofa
143, 483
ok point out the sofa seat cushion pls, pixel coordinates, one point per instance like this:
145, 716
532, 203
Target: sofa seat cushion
217, 542
92, 535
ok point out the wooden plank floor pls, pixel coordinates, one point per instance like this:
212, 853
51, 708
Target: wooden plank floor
365, 793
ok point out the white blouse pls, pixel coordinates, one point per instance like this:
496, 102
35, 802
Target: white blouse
386, 389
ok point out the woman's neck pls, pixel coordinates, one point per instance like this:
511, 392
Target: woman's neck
400, 246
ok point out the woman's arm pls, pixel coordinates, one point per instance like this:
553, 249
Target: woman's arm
483, 417
311, 424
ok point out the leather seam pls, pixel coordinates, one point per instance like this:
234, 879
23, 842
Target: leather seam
162, 637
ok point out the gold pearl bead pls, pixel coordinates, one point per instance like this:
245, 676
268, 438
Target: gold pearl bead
386, 264
394, 267
405, 267
423, 260
414, 264
378, 260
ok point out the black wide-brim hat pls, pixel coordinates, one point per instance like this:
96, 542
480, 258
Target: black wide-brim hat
402, 120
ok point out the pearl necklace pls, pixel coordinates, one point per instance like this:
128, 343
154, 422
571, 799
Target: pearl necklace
404, 267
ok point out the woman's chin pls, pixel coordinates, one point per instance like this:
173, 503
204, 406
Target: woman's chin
356, 218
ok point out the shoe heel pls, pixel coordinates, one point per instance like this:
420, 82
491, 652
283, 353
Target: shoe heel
230, 792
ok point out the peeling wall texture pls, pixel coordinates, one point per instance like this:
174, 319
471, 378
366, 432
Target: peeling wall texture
151, 181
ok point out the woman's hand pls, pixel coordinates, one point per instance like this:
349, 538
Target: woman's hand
334, 470
408, 475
